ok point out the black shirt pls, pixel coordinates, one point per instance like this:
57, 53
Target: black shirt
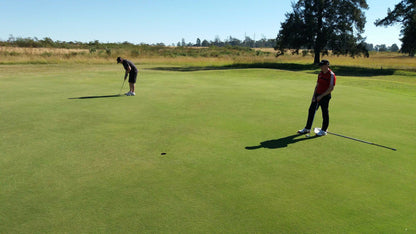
127, 63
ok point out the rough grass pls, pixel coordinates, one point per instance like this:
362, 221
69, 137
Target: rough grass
198, 57
232, 163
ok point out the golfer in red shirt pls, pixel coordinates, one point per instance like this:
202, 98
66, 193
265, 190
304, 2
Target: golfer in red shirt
321, 97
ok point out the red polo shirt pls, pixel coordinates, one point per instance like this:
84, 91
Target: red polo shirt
325, 80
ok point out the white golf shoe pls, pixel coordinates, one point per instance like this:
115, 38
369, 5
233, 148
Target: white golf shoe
321, 133
304, 131
128, 93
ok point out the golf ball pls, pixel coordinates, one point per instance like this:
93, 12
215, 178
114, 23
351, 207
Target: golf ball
307, 135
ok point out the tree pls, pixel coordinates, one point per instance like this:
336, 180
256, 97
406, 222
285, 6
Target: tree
369, 47
324, 25
198, 42
47, 42
394, 48
381, 48
205, 43
248, 42
404, 13
233, 41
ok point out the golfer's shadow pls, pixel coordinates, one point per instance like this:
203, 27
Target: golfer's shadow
281, 142
90, 97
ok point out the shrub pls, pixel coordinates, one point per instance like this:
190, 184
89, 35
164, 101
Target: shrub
108, 51
46, 54
134, 53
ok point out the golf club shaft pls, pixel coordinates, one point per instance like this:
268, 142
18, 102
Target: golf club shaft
367, 142
316, 109
122, 86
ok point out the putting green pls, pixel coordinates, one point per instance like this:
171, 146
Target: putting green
232, 163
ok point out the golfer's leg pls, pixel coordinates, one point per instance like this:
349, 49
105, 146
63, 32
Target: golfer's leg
311, 114
325, 113
132, 80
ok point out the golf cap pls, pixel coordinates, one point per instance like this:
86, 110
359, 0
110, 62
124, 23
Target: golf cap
118, 59
324, 62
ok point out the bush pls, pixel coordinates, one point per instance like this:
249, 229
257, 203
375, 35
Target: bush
46, 54
13, 53
134, 53
108, 51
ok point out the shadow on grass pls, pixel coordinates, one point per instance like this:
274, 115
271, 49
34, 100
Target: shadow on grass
281, 142
282, 66
91, 97
339, 70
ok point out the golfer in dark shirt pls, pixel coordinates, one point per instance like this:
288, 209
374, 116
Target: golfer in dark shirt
132, 71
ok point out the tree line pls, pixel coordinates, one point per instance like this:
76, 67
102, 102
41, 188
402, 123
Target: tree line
337, 25
231, 41
47, 42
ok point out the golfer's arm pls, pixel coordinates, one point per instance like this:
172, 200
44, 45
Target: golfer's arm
328, 91
314, 92
127, 72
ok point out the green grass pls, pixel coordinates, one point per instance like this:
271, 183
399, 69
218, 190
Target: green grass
232, 164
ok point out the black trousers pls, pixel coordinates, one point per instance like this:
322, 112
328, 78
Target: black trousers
324, 104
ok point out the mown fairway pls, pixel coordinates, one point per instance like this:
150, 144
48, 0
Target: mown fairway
232, 163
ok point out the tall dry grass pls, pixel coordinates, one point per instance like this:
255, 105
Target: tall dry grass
377, 60
12, 55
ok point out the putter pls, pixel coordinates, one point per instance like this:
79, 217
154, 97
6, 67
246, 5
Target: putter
316, 130
316, 109
122, 86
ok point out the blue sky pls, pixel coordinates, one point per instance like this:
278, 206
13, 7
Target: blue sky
167, 21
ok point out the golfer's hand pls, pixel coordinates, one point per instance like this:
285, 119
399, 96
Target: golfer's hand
318, 98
